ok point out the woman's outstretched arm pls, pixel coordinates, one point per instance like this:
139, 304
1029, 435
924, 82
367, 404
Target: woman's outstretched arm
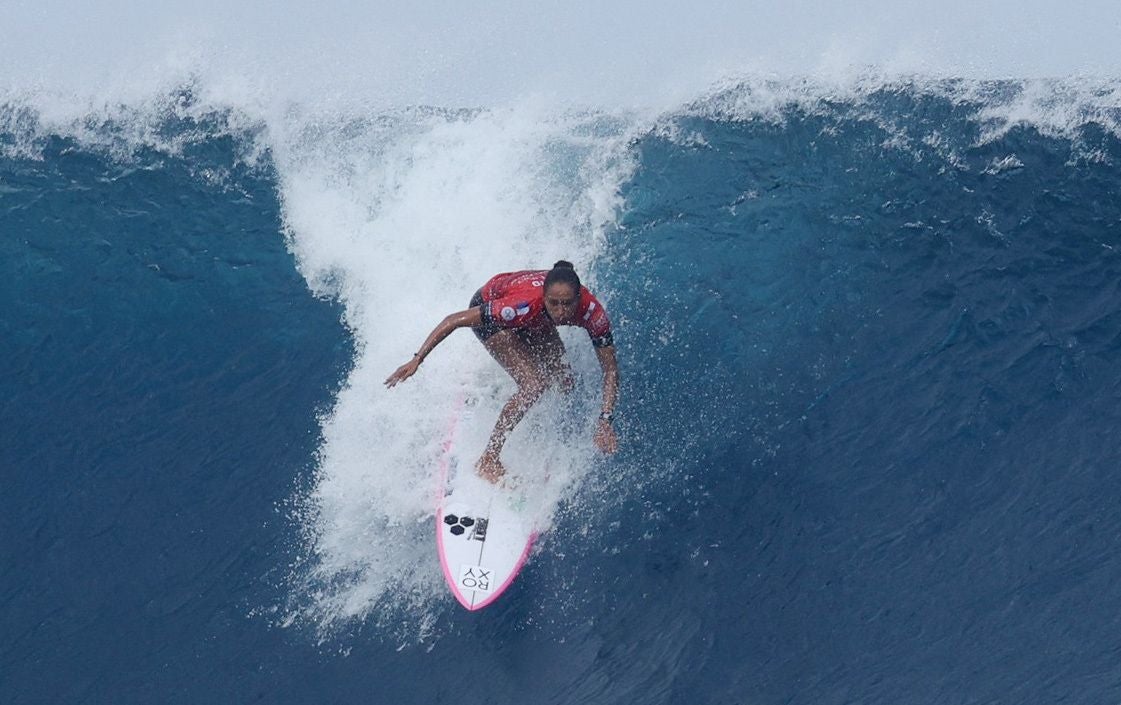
461, 319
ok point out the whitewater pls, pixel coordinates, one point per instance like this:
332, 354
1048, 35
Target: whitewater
862, 271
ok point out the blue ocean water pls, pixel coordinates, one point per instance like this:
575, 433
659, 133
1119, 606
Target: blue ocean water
868, 345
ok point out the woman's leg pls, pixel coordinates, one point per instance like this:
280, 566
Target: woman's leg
535, 361
547, 350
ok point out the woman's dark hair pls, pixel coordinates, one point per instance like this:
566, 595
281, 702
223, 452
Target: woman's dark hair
563, 273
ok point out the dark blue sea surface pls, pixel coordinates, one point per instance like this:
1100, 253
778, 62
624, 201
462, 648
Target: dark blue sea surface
870, 392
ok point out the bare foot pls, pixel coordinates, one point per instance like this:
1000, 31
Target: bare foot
566, 380
490, 469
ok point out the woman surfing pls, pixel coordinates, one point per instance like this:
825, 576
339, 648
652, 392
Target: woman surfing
515, 315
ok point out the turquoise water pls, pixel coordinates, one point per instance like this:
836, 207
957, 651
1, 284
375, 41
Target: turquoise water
868, 344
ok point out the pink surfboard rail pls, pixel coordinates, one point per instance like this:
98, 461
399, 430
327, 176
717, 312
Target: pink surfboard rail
449, 578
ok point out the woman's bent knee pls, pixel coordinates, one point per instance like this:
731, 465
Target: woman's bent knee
532, 388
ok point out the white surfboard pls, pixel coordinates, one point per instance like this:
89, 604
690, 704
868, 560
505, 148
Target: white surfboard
484, 532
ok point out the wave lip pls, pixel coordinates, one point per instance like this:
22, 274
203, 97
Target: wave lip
1054, 107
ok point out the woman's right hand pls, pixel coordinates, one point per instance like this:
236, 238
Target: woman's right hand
403, 372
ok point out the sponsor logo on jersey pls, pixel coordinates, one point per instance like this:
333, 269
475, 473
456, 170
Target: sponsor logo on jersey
599, 322
522, 308
591, 307
508, 313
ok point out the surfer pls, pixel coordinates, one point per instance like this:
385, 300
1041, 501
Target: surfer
515, 315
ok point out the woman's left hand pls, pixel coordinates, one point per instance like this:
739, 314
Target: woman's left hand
605, 436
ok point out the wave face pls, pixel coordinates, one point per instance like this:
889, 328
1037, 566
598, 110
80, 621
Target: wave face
867, 338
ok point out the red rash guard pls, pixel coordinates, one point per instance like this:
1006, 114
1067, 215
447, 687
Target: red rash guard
517, 300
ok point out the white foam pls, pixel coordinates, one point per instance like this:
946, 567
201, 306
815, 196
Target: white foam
1058, 108
402, 217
